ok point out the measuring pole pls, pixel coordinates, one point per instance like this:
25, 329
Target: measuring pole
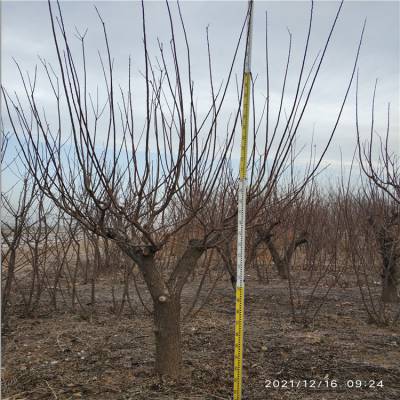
237, 386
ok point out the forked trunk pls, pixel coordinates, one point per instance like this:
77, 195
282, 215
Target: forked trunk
280, 262
283, 263
168, 338
166, 302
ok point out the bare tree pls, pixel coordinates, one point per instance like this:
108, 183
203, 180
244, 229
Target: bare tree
380, 164
143, 189
15, 220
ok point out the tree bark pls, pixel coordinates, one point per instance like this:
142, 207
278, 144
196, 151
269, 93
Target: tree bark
281, 266
390, 292
283, 263
391, 272
389, 249
167, 332
7, 287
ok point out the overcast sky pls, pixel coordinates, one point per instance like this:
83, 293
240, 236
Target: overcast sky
26, 34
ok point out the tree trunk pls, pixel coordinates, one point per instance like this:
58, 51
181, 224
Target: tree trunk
279, 261
283, 263
390, 252
168, 337
390, 284
283, 270
387, 235
7, 287
389, 292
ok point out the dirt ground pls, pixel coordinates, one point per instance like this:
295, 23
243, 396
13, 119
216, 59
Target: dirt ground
60, 355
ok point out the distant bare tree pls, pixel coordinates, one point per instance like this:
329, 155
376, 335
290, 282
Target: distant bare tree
381, 165
15, 220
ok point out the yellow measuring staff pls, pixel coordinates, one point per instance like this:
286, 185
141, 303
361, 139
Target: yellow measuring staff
239, 315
